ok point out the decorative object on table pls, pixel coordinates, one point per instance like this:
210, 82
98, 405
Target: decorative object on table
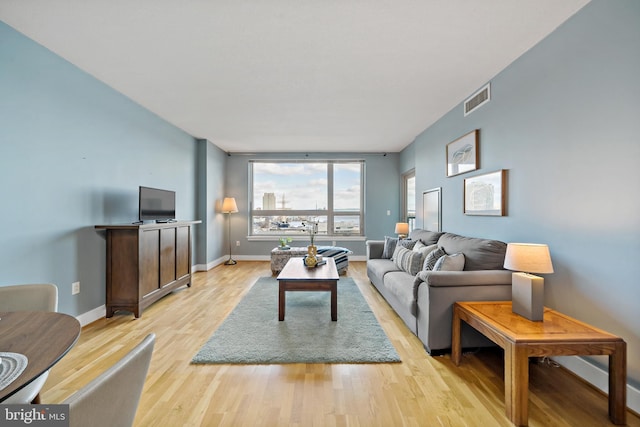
312, 256
485, 194
462, 154
402, 229
284, 243
527, 290
229, 206
11, 366
312, 251
431, 208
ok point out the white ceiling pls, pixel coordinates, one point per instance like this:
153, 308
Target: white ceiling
293, 75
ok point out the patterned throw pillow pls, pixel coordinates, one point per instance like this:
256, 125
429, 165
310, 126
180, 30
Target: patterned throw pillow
407, 243
453, 262
407, 260
432, 258
389, 246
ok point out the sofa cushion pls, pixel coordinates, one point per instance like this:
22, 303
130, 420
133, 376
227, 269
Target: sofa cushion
433, 257
402, 287
479, 254
425, 236
453, 262
379, 267
408, 260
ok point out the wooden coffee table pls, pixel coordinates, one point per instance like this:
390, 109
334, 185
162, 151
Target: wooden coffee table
556, 335
295, 276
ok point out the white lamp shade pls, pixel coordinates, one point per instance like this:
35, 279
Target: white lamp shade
229, 205
402, 228
528, 258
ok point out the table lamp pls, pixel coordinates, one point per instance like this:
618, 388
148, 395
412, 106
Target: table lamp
229, 206
402, 229
527, 290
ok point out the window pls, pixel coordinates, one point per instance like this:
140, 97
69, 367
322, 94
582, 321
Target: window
409, 198
286, 194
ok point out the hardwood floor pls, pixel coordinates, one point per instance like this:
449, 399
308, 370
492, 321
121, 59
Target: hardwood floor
420, 391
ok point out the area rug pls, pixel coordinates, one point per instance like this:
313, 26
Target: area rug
252, 334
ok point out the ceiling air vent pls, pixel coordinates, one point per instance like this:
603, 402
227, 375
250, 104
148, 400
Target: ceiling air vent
478, 99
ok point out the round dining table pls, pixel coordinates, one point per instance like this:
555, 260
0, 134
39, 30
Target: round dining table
43, 337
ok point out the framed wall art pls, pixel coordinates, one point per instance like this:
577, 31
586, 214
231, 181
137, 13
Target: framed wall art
462, 154
431, 209
485, 194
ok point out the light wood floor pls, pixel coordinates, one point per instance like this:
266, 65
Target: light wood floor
420, 391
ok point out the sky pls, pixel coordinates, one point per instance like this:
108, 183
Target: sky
304, 185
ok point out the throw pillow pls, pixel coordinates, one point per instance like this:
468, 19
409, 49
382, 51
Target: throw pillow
453, 262
407, 260
407, 243
389, 246
419, 245
432, 258
424, 249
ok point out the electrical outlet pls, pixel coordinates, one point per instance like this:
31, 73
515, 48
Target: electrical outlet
75, 288
388, 213
237, 242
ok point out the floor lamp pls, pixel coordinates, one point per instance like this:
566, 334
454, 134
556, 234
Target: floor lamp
229, 206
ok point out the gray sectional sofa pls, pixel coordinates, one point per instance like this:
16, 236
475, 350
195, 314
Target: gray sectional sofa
424, 300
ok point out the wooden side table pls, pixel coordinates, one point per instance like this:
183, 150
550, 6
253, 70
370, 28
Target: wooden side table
556, 335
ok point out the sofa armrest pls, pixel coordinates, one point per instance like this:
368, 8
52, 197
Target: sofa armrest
375, 249
440, 289
464, 278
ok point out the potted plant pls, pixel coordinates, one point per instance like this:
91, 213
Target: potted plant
284, 242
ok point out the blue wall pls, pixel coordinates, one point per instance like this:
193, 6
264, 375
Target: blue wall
210, 185
72, 155
564, 120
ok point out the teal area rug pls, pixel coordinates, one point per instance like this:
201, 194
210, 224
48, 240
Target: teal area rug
252, 333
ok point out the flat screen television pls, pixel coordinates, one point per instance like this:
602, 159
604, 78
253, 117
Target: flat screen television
156, 204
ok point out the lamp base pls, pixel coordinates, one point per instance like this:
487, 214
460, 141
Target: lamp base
527, 296
230, 262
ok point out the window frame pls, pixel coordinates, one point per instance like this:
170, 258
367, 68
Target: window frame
329, 212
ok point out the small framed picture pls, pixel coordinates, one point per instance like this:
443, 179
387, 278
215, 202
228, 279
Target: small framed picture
485, 194
462, 154
431, 208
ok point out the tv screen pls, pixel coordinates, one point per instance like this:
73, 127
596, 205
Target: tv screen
156, 204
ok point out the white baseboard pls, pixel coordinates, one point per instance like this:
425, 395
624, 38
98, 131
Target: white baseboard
208, 266
598, 378
92, 316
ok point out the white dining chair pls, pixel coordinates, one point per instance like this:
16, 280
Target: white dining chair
29, 297
112, 398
